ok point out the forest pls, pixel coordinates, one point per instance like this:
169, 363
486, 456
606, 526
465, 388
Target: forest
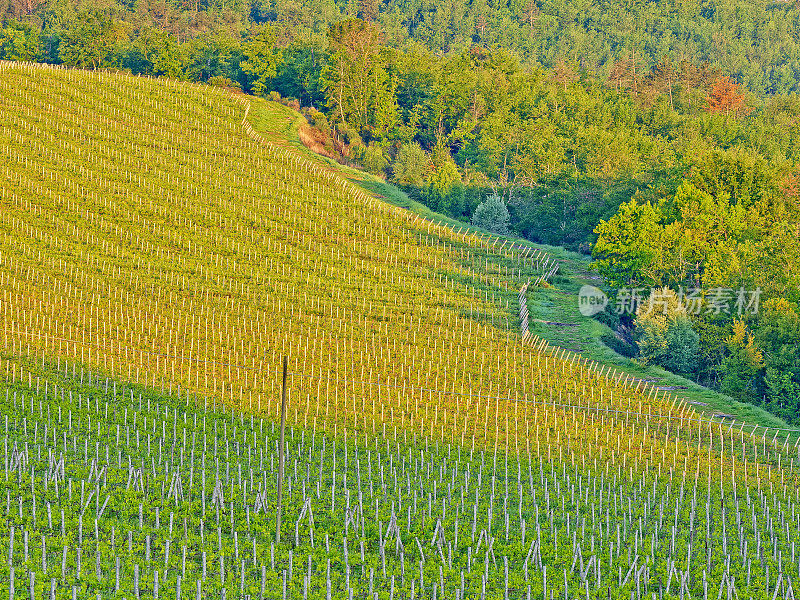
660, 137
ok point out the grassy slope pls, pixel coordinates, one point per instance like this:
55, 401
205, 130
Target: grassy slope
550, 308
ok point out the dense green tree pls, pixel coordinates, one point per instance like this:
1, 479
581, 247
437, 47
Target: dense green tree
665, 334
683, 347
88, 41
444, 191
210, 56
411, 166
778, 335
372, 158
168, 59
19, 41
742, 364
298, 74
655, 48
355, 73
630, 246
261, 58
417, 74
492, 215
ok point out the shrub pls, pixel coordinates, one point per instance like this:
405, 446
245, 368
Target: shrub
374, 160
618, 345
742, 364
224, 82
444, 191
411, 166
683, 346
492, 215
665, 334
318, 120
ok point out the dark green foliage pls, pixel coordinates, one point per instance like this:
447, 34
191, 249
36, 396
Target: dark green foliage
670, 343
373, 159
87, 41
443, 190
778, 335
19, 41
261, 59
619, 346
298, 74
741, 366
565, 213
683, 347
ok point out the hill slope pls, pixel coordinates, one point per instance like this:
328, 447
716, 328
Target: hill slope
164, 246
157, 258
554, 314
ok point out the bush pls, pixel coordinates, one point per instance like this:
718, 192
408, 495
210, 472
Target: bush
492, 215
19, 41
665, 334
617, 345
318, 120
444, 191
411, 166
224, 82
742, 364
683, 346
349, 136
608, 317
374, 160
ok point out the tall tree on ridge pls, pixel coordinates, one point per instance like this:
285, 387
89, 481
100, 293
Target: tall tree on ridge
261, 58
88, 41
355, 46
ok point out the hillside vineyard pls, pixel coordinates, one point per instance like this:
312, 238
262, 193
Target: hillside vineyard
158, 258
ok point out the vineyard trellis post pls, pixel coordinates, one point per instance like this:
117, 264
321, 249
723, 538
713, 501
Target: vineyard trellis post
280, 451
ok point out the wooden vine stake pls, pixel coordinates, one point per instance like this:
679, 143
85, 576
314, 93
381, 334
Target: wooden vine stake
280, 451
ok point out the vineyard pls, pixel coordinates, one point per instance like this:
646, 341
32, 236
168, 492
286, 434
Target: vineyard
158, 258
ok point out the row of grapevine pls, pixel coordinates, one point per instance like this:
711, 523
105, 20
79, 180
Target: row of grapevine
118, 491
158, 257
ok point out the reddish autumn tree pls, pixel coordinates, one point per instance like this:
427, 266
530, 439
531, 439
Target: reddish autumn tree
791, 185
725, 96
621, 73
563, 74
791, 191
